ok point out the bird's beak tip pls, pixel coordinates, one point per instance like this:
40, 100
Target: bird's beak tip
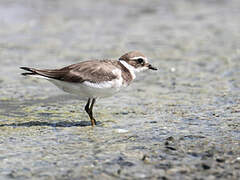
152, 67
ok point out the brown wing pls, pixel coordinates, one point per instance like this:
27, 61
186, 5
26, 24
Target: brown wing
93, 71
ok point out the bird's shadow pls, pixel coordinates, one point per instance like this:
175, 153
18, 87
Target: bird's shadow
61, 98
57, 124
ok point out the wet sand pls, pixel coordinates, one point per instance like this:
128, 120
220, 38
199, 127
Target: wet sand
181, 122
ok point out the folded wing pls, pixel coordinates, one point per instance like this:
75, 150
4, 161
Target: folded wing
93, 71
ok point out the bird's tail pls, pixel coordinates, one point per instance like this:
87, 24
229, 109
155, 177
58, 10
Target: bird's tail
45, 73
31, 71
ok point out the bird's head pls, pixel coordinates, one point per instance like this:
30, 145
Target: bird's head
137, 61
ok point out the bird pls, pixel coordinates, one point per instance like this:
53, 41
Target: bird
93, 79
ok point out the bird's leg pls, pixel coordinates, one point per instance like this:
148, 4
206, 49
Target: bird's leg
91, 113
87, 106
89, 110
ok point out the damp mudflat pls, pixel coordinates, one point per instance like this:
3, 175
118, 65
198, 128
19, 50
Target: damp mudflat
181, 122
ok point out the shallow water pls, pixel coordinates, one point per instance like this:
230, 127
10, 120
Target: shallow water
181, 122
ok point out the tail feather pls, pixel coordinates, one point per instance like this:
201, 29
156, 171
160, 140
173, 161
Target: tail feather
32, 71
27, 69
53, 73
26, 74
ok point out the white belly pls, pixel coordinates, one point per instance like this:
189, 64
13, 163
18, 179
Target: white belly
88, 90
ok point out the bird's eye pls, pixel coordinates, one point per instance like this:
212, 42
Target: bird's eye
140, 61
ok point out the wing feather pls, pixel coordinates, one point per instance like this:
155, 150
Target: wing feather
94, 71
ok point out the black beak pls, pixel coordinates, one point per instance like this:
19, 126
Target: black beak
151, 67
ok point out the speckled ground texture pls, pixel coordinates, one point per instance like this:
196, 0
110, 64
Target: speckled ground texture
181, 122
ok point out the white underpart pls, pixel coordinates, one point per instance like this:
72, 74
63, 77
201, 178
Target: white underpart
88, 89
39, 76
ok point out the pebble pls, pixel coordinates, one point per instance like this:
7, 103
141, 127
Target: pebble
121, 130
173, 69
206, 166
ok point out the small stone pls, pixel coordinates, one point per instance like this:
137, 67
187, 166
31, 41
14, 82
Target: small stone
164, 166
166, 143
119, 171
122, 162
121, 130
162, 178
153, 122
140, 176
144, 157
173, 69
205, 166
126, 163
220, 160
182, 170
170, 138
171, 148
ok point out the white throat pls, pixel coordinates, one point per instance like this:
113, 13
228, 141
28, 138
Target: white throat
129, 67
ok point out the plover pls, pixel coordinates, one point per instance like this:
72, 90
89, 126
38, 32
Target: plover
95, 78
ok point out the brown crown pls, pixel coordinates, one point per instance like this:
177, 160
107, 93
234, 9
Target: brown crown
129, 55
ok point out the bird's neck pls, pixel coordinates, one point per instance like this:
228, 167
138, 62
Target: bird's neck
130, 68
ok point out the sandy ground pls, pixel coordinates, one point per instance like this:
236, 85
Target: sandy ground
181, 122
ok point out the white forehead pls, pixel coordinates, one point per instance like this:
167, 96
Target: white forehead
138, 57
